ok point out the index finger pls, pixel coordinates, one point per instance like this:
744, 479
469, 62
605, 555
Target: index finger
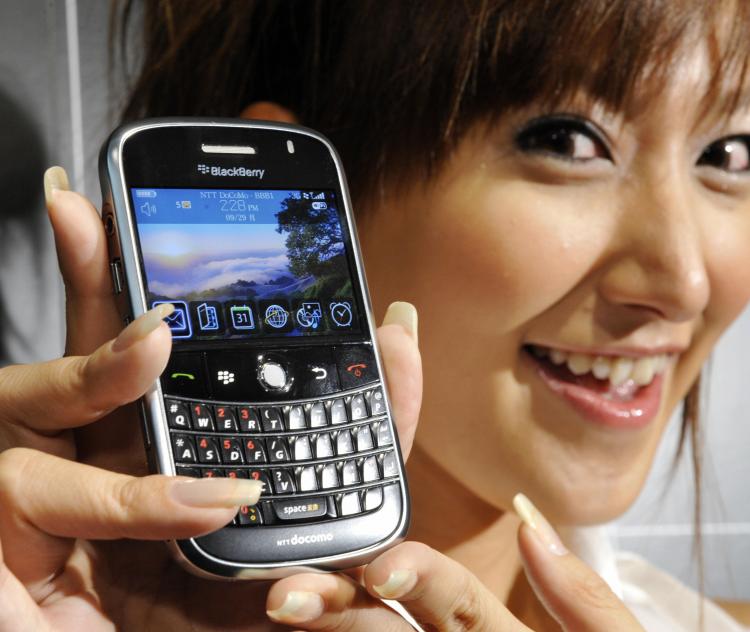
75, 391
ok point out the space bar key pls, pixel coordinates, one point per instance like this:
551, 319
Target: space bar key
303, 509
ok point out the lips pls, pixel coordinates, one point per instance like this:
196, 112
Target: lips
624, 405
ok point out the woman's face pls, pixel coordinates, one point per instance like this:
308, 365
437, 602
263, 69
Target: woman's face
572, 271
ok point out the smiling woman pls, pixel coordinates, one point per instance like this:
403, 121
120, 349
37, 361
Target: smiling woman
563, 189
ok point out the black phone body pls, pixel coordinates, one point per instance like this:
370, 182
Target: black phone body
246, 227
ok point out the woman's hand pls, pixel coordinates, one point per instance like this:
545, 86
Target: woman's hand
47, 504
444, 596
59, 568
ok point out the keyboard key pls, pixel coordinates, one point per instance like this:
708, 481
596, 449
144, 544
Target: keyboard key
278, 450
370, 471
248, 419
306, 480
295, 418
349, 473
283, 482
271, 419
390, 467
236, 474
300, 509
338, 412
212, 473
193, 472
178, 415
383, 434
348, 504
363, 437
254, 451
231, 451
344, 443
358, 408
262, 475
373, 498
202, 417
377, 402
329, 476
183, 448
208, 451
248, 516
317, 414
323, 446
301, 448
226, 420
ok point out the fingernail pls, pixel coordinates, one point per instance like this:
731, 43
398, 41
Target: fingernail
539, 525
142, 326
55, 179
298, 607
216, 492
404, 314
398, 584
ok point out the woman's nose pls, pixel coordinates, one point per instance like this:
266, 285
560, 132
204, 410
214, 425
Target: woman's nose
658, 262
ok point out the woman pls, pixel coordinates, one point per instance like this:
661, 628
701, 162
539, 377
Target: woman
566, 185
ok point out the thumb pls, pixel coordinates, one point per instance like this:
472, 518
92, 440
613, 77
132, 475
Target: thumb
570, 590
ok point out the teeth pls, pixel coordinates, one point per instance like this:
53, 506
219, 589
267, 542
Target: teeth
617, 369
557, 356
601, 368
643, 371
579, 363
620, 371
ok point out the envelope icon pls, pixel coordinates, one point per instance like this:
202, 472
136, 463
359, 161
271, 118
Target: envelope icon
178, 320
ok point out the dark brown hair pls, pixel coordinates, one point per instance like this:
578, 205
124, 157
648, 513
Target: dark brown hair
395, 83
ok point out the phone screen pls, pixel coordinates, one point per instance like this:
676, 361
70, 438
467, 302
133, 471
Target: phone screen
246, 263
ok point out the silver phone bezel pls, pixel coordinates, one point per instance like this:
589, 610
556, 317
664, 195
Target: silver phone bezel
115, 192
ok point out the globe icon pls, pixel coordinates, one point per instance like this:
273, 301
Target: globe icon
276, 316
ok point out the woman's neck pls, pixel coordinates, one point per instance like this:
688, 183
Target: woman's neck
450, 518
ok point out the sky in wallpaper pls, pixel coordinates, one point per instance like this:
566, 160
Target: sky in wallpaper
196, 257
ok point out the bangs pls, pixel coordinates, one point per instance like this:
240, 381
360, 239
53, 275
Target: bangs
619, 53
396, 84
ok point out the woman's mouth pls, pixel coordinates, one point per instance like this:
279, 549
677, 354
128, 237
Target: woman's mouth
615, 391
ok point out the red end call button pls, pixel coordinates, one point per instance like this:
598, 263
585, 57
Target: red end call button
356, 365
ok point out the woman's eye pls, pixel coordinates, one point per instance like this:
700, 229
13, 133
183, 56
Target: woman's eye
570, 139
730, 154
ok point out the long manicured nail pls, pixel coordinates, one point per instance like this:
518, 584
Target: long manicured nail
398, 584
298, 607
55, 179
539, 525
216, 492
142, 326
404, 314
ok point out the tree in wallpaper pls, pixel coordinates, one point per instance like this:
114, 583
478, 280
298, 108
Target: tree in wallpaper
315, 246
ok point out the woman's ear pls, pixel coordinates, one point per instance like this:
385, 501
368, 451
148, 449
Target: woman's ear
268, 111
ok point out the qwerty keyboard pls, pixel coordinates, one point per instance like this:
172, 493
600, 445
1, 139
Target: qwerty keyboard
320, 459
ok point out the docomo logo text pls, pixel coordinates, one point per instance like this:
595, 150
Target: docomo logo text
242, 172
313, 538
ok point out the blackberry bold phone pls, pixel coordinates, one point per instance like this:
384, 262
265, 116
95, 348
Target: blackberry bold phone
247, 229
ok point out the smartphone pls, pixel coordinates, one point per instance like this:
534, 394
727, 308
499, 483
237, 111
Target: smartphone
247, 229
